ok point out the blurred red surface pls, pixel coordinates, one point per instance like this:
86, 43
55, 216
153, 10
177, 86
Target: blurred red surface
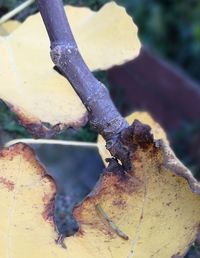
152, 84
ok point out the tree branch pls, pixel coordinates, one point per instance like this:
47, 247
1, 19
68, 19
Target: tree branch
103, 115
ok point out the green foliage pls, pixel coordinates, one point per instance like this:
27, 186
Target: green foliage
93, 4
85, 134
8, 121
186, 142
10, 4
172, 28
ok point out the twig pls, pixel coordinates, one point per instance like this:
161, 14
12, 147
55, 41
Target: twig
15, 11
103, 115
55, 142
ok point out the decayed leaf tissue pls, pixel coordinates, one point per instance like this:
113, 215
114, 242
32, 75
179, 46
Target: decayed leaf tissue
26, 68
151, 211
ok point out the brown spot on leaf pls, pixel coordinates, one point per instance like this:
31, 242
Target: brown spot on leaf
7, 183
120, 203
138, 135
49, 200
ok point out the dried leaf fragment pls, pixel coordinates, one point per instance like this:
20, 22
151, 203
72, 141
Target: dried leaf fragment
43, 100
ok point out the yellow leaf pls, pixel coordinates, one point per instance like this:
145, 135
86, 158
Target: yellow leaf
144, 118
8, 27
153, 207
105, 38
44, 101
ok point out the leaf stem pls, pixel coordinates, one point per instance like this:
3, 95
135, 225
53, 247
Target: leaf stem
111, 223
51, 141
15, 11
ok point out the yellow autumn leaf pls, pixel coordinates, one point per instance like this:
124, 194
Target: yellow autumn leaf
144, 118
8, 27
152, 211
44, 101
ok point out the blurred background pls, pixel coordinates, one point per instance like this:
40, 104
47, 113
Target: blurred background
164, 80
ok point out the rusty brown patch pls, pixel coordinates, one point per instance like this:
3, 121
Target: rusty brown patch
27, 153
109, 183
48, 212
138, 135
49, 201
119, 203
16, 149
124, 184
40, 129
7, 183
